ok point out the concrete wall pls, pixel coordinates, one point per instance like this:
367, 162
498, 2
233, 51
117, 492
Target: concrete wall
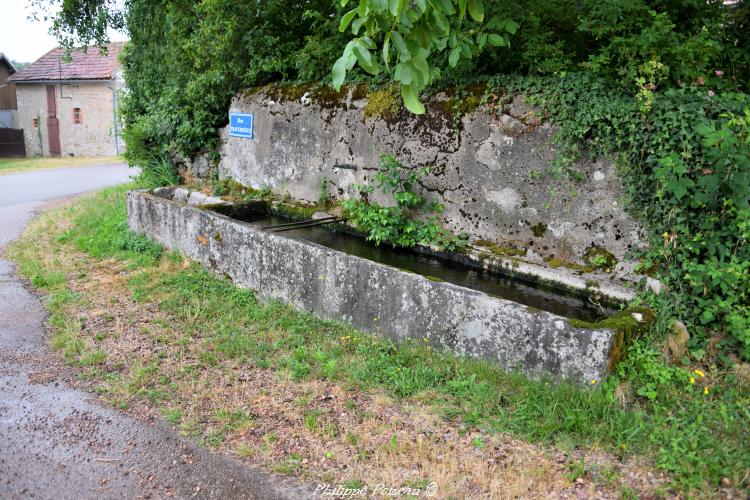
485, 173
374, 297
93, 137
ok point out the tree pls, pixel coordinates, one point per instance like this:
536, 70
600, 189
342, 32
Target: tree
408, 35
79, 22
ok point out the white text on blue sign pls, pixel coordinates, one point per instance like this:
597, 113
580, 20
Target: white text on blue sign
241, 125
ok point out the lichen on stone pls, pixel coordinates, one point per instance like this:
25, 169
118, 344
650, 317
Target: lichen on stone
284, 92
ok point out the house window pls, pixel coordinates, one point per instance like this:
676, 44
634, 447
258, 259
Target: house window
36, 122
77, 118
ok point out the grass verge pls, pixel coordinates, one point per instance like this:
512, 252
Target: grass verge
320, 399
16, 165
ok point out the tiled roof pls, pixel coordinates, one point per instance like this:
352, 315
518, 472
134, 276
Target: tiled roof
89, 65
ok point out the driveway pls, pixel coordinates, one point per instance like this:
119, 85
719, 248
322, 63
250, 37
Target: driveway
58, 442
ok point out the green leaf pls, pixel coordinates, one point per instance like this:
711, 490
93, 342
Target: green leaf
411, 99
707, 317
511, 26
447, 7
401, 46
476, 10
422, 71
394, 7
366, 59
496, 40
441, 22
368, 42
358, 24
379, 5
338, 73
462, 11
679, 187
402, 74
387, 49
481, 40
454, 56
346, 19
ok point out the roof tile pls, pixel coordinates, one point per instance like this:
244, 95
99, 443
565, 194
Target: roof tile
88, 65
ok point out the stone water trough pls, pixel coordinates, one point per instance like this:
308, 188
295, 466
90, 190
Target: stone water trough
377, 298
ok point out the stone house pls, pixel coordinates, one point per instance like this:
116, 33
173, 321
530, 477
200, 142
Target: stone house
67, 106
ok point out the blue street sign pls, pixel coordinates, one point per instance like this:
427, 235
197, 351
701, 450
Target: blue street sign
241, 125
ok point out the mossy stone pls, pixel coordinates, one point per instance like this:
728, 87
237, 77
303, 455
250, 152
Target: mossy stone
505, 251
539, 229
627, 325
599, 258
382, 103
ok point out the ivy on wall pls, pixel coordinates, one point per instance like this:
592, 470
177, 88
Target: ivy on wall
686, 169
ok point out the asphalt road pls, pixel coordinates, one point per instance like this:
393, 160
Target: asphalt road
58, 442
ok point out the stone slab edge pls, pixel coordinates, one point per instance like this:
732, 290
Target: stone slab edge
376, 298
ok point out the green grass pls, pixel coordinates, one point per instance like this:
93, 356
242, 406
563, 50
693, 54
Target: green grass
16, 165
645, 408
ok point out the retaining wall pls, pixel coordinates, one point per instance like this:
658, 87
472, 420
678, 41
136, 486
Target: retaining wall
486, 165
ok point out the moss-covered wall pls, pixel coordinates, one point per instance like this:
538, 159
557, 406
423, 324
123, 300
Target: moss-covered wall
487, 161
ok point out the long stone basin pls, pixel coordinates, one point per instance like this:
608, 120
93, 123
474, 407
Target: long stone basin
377, 298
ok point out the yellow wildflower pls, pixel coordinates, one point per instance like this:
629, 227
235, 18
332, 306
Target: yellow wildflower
593, 381
705, 390
692, 380
698, 372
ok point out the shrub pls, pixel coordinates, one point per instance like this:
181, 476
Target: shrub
398, 224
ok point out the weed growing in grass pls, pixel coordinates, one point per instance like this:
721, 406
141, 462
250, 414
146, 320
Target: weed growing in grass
290, 467
645, 407
173, 416
311, 420
575, 470
245, 450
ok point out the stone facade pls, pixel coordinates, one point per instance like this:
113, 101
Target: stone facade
94, 136
486, 167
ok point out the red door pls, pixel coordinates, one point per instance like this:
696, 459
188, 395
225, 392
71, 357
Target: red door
53, 124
